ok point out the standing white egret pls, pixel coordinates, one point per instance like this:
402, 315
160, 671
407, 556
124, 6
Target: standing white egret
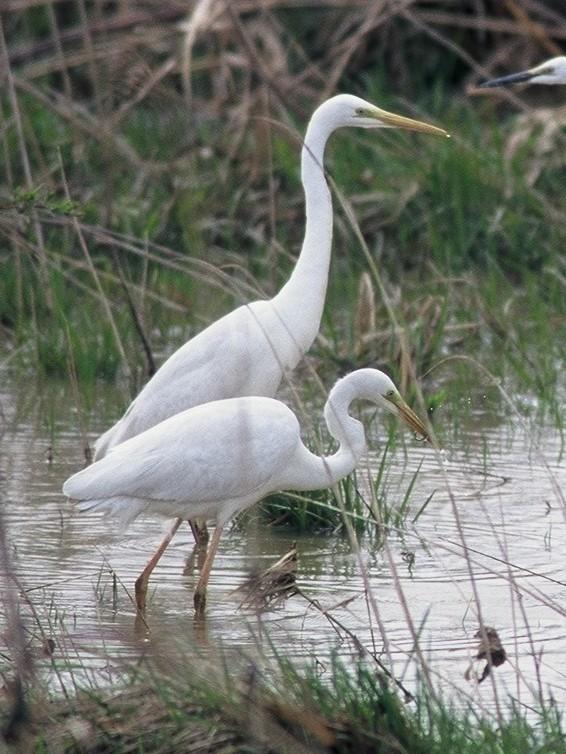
553, 71
215, 459
248, 351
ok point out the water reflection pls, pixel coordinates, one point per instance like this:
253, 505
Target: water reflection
498, 516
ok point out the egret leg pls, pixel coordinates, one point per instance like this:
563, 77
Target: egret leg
200, 591
200, 531
196, 558
143, 578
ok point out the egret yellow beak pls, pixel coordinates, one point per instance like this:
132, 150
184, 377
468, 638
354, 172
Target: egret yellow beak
392, 120
406, 413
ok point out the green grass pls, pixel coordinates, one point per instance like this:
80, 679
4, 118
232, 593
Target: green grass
369, 506
443, 209
283, 708
318, 511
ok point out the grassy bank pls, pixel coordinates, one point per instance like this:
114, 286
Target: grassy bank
203, 708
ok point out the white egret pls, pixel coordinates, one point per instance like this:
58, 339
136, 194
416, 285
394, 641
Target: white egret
214, 460
553, 71
248, 351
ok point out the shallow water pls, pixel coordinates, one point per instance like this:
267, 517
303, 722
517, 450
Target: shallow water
492, 539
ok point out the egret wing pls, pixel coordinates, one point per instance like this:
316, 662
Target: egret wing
206, 369
217, 451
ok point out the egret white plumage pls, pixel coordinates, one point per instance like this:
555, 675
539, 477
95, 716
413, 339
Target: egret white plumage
248, 351
216, 459
553, 71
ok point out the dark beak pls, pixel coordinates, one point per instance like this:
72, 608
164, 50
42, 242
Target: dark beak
513, 78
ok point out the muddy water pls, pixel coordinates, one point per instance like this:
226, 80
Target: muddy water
492, 541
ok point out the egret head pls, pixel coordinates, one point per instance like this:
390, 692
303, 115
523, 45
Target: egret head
373, 385
392, 401
348, 110
551, 72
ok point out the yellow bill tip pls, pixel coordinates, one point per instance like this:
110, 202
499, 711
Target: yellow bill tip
393, 120
406, 414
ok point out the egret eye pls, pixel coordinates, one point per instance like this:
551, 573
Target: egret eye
360, 111
390, 393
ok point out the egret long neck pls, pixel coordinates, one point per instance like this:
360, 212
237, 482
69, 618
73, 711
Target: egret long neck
301, 300
348, 432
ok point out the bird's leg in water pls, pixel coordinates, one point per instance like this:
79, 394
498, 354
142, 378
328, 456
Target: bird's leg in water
200, 532
200, 591
143, 578
195, 558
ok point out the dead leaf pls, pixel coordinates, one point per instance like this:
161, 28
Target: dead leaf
274, 585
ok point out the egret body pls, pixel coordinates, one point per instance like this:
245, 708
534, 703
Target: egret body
248, 351
216, 459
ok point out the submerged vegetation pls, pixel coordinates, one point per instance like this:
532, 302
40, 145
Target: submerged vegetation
149, 182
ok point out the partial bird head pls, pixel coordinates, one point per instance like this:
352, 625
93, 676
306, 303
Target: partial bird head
349, 110
551, 72
390, 398
375, 386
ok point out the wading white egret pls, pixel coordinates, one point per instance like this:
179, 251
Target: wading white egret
248, 351
551, 72
214, 460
